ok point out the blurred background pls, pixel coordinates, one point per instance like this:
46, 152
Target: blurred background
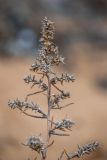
81, 34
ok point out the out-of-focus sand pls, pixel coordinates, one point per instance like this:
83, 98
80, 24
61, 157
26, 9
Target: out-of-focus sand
89, 111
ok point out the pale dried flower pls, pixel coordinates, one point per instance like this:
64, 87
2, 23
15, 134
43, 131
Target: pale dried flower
31, 79
35, 143
87, 148
83, 150
65, 123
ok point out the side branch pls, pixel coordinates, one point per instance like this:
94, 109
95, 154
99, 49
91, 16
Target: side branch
60, 107
31, 94
23, 106
30, 115
59, 134
57, 88
82, 150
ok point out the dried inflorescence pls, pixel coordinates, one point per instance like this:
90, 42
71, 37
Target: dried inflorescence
64, 123
48, 58
23, 106
87, 148
83, 150
31, 79
64, 77
48, 53
58, 98
35, 143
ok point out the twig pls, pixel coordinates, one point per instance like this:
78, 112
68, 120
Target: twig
57, 88
30, 115
60, 107
61, 156
50, 144
31, 94
59, 134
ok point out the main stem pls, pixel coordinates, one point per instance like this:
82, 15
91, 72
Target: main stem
49, 108
48, 113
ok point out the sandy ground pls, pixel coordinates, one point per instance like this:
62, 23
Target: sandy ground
89, 112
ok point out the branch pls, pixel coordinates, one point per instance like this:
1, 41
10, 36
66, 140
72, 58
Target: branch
23, 106
57, 88
30, 115
31, 94
59, 134
57, 98
49, 145
61, 156
63, 78
82, 150
67, 105
31, 79
62, 125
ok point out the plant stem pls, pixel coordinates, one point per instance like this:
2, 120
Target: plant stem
48, 114
49, 108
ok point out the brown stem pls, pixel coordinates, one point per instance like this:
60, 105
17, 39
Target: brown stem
30, 115
31, 94
59, 134
67, 105
69, 157
48, 113
74, 155
49, 108
61, 156
49, 145
57, 88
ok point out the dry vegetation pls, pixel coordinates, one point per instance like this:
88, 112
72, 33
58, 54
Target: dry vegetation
78, 125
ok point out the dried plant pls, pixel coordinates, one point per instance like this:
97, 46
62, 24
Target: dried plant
48, 57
